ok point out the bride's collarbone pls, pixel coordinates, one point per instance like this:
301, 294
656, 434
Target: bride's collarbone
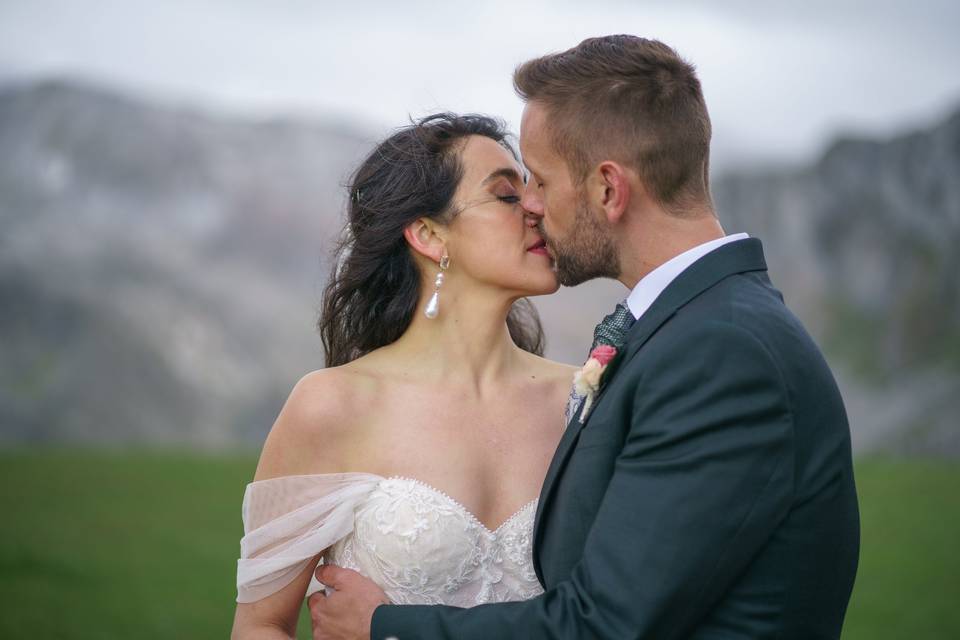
406, 417
419, 403
444, 420
446, 436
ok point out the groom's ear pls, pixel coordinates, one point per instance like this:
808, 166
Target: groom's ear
426, 237
612, 189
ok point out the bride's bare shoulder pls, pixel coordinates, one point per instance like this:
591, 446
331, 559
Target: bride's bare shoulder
557, 374
550, 369
318, 423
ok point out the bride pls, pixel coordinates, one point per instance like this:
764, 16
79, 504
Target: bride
416, 457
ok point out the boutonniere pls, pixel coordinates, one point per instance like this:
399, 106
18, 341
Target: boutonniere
586, 381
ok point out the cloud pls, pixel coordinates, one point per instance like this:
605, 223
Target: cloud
779, 77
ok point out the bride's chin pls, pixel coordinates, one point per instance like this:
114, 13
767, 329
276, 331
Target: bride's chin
548, 286
536, 282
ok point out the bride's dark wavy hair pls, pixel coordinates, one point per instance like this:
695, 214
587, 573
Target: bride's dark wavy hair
375, 286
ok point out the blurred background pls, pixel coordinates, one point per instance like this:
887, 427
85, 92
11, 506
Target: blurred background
171, 186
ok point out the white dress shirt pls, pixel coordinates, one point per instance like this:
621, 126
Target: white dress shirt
652, 285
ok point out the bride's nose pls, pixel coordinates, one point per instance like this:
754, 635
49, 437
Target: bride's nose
531, 201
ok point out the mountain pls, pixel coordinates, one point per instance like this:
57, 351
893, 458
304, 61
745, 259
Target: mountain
863, 243
160, 269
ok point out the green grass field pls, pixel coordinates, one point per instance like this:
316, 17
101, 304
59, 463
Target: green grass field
144, 545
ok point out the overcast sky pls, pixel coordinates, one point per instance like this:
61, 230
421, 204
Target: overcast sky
780, 78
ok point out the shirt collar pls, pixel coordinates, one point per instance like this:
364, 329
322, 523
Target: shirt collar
652, 285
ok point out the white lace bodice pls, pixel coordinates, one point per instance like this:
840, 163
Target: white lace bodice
417, 543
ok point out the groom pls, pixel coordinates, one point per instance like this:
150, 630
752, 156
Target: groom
704, 487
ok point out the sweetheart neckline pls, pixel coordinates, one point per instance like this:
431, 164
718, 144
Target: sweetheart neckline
356, 475
492, 532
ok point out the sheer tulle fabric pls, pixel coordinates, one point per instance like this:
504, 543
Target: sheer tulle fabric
289, 520
417, 543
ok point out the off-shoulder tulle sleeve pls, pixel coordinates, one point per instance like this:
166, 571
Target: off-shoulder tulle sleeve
289, 520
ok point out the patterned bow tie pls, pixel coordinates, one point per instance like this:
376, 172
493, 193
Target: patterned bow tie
612, 331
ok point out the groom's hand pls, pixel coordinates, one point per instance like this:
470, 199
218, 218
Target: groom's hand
346, 613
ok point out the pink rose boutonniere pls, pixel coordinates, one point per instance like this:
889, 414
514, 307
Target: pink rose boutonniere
586, 381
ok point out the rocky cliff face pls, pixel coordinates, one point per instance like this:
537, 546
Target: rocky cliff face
160, 270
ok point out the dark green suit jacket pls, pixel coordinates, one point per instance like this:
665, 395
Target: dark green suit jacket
709, 494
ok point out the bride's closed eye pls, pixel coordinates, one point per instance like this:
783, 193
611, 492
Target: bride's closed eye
505, 192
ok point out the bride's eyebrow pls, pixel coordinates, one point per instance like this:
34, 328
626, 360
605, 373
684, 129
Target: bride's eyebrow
509, 173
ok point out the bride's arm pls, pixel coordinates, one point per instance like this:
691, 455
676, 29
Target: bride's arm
273, 617
293, 447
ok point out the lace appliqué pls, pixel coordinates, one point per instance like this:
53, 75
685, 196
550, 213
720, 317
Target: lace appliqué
423, 547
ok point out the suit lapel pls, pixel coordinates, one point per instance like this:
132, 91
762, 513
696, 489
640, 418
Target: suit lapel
736, 257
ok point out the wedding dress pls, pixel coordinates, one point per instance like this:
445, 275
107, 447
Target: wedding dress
417, 543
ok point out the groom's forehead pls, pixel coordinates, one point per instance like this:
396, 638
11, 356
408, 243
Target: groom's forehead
533, 120
532, 129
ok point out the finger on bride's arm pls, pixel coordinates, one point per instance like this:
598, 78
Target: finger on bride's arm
341, 579
273, 617
346, 613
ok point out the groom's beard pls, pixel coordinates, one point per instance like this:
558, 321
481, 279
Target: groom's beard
589, 252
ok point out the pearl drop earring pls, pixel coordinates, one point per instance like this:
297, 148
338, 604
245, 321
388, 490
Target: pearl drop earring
433, 306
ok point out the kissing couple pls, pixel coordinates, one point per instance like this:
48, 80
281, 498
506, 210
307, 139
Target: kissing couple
696, 481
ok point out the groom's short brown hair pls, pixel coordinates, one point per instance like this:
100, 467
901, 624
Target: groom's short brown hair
627, 99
